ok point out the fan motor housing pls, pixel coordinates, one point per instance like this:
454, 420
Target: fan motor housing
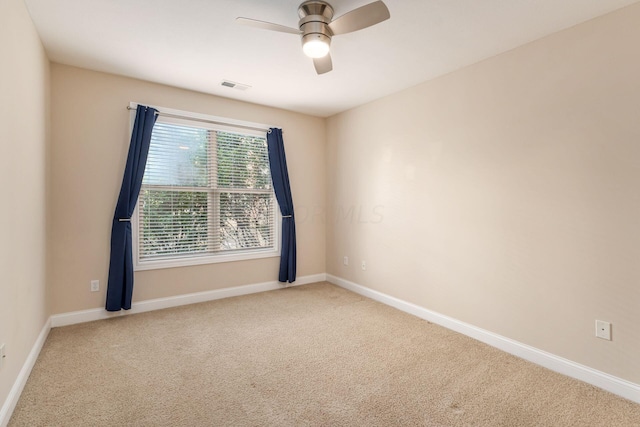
315, 17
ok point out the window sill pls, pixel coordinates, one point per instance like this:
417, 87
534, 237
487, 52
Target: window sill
205, 259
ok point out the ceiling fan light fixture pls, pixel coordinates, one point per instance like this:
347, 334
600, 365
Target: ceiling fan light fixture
317, 27
316, 45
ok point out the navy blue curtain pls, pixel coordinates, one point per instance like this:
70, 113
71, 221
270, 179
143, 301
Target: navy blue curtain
120, 287
280, 178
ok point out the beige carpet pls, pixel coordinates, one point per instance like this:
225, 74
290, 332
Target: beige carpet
310, 355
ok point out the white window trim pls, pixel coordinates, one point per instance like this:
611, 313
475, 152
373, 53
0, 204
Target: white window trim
189, 260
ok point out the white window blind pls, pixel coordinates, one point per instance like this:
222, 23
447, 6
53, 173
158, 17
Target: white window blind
205, 193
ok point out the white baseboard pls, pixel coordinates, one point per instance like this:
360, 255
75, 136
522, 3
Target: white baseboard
558, 364
597, 378
72, 318
14, 394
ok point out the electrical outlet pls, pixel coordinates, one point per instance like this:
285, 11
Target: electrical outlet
603, 330
364, 265
345, 260
2, 355
95, 285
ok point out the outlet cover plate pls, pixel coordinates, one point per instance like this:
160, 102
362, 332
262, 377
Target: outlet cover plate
95, 285
603, 330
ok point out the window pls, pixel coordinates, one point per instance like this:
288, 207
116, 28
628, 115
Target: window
206, 197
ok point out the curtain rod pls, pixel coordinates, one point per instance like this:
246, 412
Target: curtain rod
177, 116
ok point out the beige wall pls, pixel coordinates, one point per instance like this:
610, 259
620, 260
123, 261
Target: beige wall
24, 92
90, 139
506, 194
502, 195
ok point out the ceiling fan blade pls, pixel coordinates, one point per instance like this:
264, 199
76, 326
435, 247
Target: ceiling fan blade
324, 64
267, 26
362, 17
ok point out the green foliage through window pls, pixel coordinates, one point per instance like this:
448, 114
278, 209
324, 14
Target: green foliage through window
204, 192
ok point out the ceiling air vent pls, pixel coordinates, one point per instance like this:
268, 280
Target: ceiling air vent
235, 85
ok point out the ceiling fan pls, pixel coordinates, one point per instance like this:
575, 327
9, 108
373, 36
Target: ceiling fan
316, 27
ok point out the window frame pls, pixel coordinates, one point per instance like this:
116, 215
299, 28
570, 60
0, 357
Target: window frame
191, 119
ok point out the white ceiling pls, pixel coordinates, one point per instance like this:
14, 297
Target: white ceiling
195, 44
